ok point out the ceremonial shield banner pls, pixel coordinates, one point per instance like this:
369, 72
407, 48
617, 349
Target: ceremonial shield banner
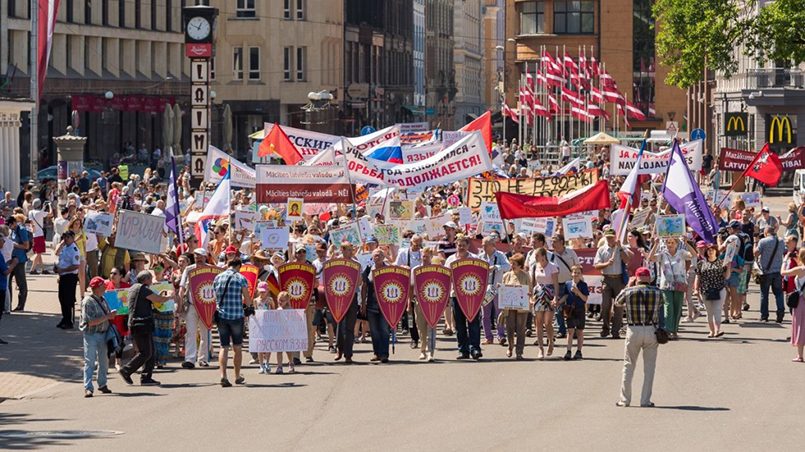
297, 280
340, 281
391, 289
201, 279
250, 272
469, 282
432, 283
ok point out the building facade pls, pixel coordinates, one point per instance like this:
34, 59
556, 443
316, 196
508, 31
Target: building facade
493, 39
268, 57
116, 62
467, 60
618, 33
419, 57
440, 71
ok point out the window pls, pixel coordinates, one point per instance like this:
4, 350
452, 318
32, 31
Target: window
237, 63
300, 9
245, 8
105, 12
532, 17
137, 14
88, 11
169, 15
121, 14
286, 9
573, 16
300, 63
153, 15
287, 54
254, 63
212, 68
70, 11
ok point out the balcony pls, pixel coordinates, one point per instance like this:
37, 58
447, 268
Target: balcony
761, 79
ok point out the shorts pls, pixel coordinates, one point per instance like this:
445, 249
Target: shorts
230, 330
39, 245
576, 322
734, 279
743, 283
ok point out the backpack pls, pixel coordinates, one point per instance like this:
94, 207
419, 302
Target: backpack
746, 251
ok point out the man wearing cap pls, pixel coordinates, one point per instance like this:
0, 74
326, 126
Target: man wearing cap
447, 247
141, 325
194, 353
345, 331
765, 219
609, 261
94, 322
769, 253
67, 269
643, 304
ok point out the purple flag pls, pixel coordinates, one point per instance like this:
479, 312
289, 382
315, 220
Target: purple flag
173, 216
684, 195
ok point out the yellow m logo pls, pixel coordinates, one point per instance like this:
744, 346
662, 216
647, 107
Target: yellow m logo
782, 124
736, 124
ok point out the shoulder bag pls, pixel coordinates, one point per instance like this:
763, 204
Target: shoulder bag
112, 337
144, 323
792, 301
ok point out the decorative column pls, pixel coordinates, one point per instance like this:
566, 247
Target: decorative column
70, 151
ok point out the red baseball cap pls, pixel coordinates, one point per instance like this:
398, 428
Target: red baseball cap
96, 282
642, 272
231, 250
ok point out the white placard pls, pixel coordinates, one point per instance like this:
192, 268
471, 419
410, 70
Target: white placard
577, 227
490, 212
277, 330
139, 232
751, 199
465, 216
245, 219
99, 223
349, 232
513, 297
274, 238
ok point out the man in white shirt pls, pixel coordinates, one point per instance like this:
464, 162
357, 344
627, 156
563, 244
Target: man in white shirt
564, 258
411, 257
498, 265
193, 352
37, 217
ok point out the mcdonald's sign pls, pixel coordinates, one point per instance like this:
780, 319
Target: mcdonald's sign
735, 124
780, 130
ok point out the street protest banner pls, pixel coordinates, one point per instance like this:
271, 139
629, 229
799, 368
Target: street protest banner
668, 226
298, 280
481, 190
349, 233
307, 142
432, 283
469, 280
387, 234
413, 154
513, 297
99, 223
325, 184
201, 279
139, 232
401, 210
274, 238
593, 197
737, 160
412, 127
623, 158
592, 276
340, 282
250, 272
277, 330
219, 163
245, 219
639, 218
392, 283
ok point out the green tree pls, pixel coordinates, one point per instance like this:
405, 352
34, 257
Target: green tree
777, 33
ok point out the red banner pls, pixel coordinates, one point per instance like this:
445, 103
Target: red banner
201, 279
298, 280
469, 282
738, 160
250, 272
432, 283
340, 281
391, 289
142, 104
593, 197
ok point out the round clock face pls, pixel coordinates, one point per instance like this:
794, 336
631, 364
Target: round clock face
198, 28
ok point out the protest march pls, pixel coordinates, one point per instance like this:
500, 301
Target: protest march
396, 239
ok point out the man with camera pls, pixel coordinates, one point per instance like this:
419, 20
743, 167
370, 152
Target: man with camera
234, 300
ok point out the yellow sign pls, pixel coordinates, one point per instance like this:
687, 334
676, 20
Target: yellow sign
124, 171
782, 125
735, 124
481, 190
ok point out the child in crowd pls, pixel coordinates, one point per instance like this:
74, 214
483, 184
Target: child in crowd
284, 302
263, 301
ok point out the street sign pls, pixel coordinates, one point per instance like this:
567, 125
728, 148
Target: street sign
199, 70
198, 118
671, 128
198, 142
358, 90
199, 95
366, 130
697, 134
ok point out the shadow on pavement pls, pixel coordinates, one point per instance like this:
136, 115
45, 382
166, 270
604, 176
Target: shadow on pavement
13, 439
692, 408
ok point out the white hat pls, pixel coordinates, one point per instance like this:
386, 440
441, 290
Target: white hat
200, 252
451, 224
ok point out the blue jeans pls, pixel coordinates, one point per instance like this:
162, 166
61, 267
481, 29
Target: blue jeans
560, 320
95, 350
468, 334
775, 281
380, 333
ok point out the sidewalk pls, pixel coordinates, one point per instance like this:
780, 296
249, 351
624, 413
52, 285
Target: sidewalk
38, 354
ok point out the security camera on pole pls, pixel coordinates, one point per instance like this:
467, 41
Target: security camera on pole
199, 24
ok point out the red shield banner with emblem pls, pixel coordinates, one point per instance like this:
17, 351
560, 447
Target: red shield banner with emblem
250, 272
391, 289
340, 281
201, 279
432, 283
469, 282
297, 279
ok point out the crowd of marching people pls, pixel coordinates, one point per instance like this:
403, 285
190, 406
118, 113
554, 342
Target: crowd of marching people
646, 281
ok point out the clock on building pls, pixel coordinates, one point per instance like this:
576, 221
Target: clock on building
199, 28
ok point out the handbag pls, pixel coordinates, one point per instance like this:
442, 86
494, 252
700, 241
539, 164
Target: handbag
792, 301
712, 294
112, 337
661, 334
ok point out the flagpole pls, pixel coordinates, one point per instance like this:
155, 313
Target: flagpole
625, 214
34, 72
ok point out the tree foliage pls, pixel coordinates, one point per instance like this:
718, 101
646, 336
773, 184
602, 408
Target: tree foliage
697, 34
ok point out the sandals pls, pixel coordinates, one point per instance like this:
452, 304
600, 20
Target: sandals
798, 359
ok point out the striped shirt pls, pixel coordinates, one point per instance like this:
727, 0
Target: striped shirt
643, 303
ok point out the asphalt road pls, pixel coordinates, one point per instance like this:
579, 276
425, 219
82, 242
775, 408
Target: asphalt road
741, 392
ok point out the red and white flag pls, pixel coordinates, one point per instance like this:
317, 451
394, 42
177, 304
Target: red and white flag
48, 9
635, 113
622, 112
570, 64
594, 68
581, 114
571, 96
552, 103
540, 109
596, 110
597, 95
510, 112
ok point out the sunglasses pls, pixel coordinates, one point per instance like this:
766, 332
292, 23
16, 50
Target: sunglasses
113, 273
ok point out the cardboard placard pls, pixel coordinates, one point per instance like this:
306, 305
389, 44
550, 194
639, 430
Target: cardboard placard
99, 223
513, 297
139, 232
278, 330
669, 226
